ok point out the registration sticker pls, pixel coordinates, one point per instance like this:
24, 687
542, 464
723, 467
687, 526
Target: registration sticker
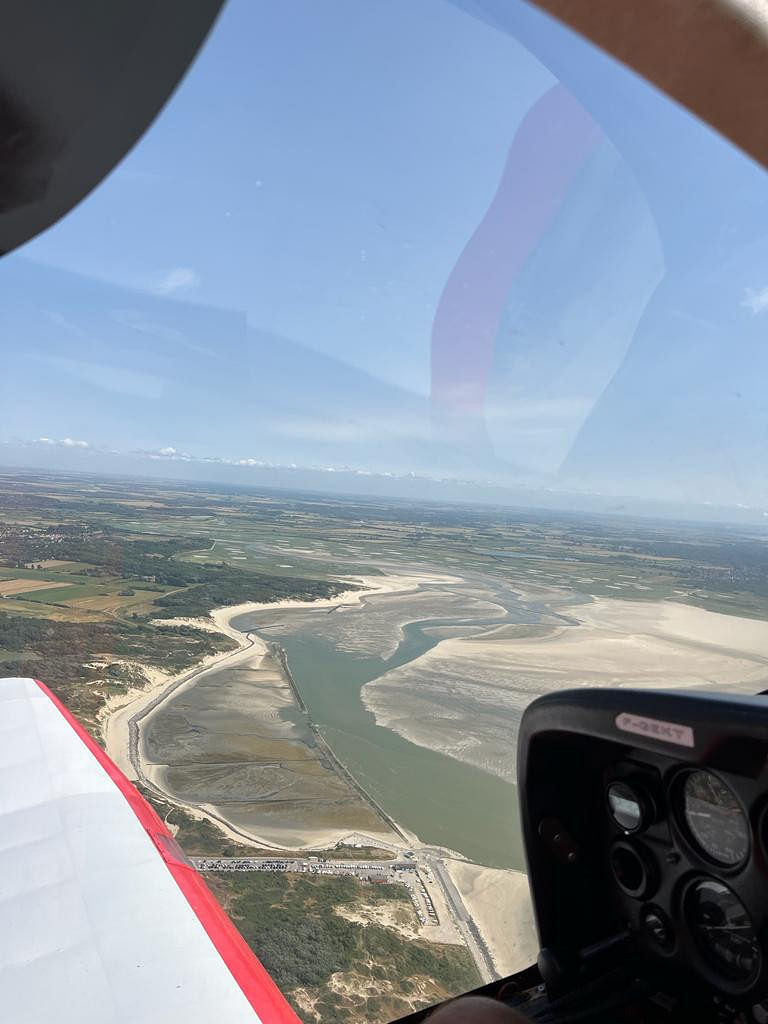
668, 732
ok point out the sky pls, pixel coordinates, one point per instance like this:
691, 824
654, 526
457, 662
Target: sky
438, 241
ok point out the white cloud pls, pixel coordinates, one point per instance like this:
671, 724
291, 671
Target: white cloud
180, 279
65, 442
756, 299
168, 452
172, 454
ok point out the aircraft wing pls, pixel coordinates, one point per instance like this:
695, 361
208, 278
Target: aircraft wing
102, 918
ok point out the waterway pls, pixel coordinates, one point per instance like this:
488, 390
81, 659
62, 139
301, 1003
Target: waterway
444, 801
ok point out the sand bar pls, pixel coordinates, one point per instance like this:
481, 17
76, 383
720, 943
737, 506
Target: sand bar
466, 695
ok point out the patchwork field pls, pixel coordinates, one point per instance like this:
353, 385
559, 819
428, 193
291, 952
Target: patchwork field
9, 588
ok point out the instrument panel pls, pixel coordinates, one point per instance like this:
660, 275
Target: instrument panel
645, 818
688, 865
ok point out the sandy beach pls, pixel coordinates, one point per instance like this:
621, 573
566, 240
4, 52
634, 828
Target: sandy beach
118, 710
364, 587
500, 903
466, 695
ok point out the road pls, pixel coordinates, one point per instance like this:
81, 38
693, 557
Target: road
467, 927
133, 721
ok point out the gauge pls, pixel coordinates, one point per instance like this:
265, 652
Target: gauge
634, 869
658, 927
723, 930
626, 806
715, 819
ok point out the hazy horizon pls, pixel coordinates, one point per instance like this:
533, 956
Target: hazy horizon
499, 270
375, 488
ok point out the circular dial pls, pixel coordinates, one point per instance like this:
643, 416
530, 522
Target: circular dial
658, 927
723, 930
625, 806
715, 819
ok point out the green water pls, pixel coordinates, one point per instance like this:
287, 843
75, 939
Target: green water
444, 801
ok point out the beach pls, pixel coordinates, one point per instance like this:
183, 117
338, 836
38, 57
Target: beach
499, 901
465, 696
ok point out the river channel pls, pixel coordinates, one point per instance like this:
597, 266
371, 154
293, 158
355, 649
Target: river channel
333, 652
443, 800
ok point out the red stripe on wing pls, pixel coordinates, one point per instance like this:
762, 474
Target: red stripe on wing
252, 977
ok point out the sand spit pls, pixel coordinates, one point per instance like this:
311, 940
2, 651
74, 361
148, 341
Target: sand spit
366, 586
465, 696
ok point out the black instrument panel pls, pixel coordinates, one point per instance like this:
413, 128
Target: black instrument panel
645, 817
687, 865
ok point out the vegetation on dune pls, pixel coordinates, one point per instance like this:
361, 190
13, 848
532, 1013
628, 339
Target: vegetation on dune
196, 836
234, 586
291, 924
71, 656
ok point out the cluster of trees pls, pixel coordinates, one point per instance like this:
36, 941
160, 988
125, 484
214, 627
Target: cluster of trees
290, 921
18, 633
67, 653
233, 586
156, 564
21, 545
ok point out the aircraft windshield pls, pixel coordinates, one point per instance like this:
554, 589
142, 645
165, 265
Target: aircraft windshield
411, 366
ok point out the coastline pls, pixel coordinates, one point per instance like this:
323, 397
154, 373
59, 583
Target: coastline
122, 736
362, 588
120, 715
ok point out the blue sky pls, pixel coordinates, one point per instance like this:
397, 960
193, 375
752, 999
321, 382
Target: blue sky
257, 282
